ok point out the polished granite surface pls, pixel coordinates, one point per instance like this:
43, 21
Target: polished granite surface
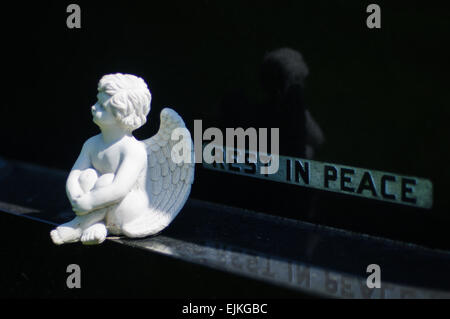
297, 255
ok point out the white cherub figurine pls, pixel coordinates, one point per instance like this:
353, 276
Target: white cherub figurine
120, 185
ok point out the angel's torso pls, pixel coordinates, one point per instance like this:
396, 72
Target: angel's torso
106, 158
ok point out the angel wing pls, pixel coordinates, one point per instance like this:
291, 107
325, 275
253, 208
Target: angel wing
168, 184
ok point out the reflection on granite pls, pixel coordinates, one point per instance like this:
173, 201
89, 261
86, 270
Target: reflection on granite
287, 273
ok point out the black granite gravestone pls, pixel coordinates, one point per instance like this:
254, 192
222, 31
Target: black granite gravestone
338, 91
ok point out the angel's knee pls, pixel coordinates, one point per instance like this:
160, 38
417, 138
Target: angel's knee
87, 179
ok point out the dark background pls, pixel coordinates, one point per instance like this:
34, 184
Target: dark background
380, 96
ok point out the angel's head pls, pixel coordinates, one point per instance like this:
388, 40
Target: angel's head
124, 96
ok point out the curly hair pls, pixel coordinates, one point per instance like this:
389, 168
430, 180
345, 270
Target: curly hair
130, 99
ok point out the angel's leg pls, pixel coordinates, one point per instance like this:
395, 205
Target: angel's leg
82, 226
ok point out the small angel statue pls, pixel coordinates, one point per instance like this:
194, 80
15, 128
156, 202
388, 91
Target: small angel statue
120, 185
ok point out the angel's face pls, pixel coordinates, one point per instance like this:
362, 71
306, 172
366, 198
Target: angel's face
102, 115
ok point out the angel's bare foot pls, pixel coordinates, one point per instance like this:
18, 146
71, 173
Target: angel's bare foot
94, 235
72, 231
65, 234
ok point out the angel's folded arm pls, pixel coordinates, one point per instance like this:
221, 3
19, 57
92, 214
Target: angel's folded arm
83, 162
132, 163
